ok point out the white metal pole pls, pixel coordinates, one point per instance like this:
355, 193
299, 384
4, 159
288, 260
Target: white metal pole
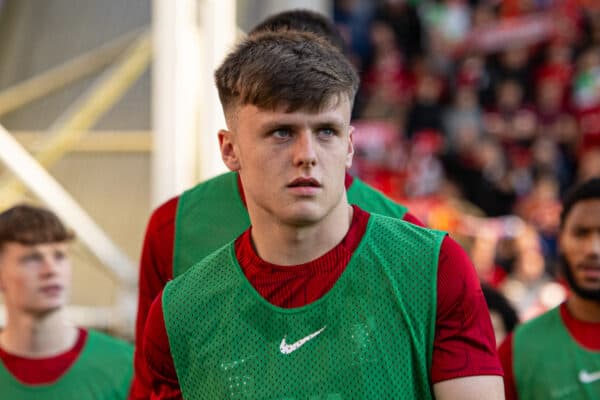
175, 97
218, 33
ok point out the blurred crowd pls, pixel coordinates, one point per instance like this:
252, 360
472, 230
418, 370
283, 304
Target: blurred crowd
478, 115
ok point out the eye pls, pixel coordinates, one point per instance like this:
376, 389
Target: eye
32, 259
282, 133
326, 133
580, 232
59, 255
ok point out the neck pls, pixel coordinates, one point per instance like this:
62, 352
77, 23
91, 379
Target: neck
37, 336
584, 310
284, 244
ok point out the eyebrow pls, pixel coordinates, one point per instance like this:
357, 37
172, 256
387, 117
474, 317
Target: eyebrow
275, 125
325, 122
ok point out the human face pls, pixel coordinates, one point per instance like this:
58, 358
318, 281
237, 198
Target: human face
579, 243
35, 279
292, 164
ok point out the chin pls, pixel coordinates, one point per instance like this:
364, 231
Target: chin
304, 217
46, 309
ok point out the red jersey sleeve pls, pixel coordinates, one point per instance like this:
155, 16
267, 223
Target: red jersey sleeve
158, 363
408, 217
464, 343
505, 352
156, 269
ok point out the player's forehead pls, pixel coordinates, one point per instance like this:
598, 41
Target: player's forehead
334, 112
16, 248
584, 214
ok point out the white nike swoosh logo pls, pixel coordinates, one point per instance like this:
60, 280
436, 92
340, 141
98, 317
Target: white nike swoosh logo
290, 348
588, 377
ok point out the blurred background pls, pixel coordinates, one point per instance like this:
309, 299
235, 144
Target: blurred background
477, 115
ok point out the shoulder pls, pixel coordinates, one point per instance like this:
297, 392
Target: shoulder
394, 222
543, 322
164, 215
409, 217
108, 359
106, 342
408, 242
452, 252
372, 200
457, 278
209, 271
228, 180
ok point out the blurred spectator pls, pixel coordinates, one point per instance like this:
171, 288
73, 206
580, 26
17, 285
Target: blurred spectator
426, 112
481, 170
549, 102
589, 165
547, 159
448, 24
541, 209
425, 172
402, 17
556, 68
353, 18
386, 83
511, 121
586, 97
528, 286
463, 120
512, 64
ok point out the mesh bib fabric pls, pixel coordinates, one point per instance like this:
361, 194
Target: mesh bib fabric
209, 215
373, 201
212, 213
103, 371
369, 337
549, 364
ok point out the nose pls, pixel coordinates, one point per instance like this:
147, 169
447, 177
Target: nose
49, 267
594, 245
304, 150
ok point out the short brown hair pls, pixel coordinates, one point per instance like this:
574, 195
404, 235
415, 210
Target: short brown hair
29, 225
296, 70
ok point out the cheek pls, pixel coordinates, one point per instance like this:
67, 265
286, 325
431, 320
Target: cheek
16, 284
571, 251
66, 271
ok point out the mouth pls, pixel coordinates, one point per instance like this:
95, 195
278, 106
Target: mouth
304, 182
590, 271
305, 187
51, 289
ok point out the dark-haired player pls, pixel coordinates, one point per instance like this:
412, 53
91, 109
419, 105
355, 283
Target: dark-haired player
557, 355
43, 355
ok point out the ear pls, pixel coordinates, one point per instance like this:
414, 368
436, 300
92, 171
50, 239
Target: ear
228, 151
350, 150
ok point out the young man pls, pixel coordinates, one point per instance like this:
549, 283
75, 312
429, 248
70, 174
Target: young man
318, 298
188, 227
557, 355
42, 355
